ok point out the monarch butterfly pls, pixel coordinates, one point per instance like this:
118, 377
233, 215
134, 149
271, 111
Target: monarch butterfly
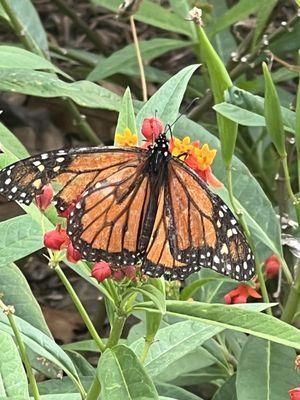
136, 205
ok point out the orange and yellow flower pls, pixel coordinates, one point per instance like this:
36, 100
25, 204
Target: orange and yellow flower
127, 138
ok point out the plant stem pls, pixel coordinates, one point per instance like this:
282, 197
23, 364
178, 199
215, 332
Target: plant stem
9, 311
94, 390
139, 57
116, 331
148, 343
20, 31
92, 35
80, 309
80, 121
242, 221
295, 200
293, 299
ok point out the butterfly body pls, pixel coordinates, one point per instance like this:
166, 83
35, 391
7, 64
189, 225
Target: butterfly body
136, 206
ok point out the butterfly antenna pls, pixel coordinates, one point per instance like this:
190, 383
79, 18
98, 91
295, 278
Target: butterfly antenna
186, 109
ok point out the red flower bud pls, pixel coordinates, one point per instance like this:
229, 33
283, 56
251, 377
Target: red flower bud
119, 275
272, 266
56, 239
44, 199
73, 254
130, 272
152, 127
101, 271
294, 394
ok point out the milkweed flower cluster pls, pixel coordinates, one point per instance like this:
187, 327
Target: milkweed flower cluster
240, 294
294, 394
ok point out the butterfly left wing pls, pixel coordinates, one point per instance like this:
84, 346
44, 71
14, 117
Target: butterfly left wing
71, 170
194, 228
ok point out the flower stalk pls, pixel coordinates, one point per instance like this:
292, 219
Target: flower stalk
80, 308
9, 312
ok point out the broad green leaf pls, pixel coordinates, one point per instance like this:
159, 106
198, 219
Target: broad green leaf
227, 391
30, 23
220, 81
21, 297
250, 103
16, 57
165, 389
43, 84
83, 367
297, 123
238, 318
240, 115
272, 111
13, 379
126, 57
69, 396
259, 214
236, 13
166, 101
224, 41
182, 8
298, 2
172, 343
126, 117
20, 236
205, 376
152, 293
265, 10
41, 344
123, 377
83, 345
265, 371
152, 14
63, 385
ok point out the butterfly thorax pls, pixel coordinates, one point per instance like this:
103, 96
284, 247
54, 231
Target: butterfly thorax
159, 154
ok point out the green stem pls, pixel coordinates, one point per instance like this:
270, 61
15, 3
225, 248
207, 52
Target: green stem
95, 389
80, 309
147, 344
20, 31
242, 221
9, 311
139, 57
80, 121
91, 34
116, 331
293, 299
295, 200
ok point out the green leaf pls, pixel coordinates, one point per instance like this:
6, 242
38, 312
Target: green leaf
16, 57
13, 379
275, 371
153, 321
152, 14
126, 57
173, 343
63, 385
182, 8
41, 344
126, 117
297, 130
236, 13
265, 10
298, 2
166, 101
273, 113
220, 81
123, 377
165, 389
30, 22
227, 391
20, 236
223, 42
21, 297
43, 84
238, 318
253, 107
153, 294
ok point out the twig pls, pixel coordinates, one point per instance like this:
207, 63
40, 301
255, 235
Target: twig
139, 57
9, 311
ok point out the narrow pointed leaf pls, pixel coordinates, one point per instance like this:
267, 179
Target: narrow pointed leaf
273, 113
126, 117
